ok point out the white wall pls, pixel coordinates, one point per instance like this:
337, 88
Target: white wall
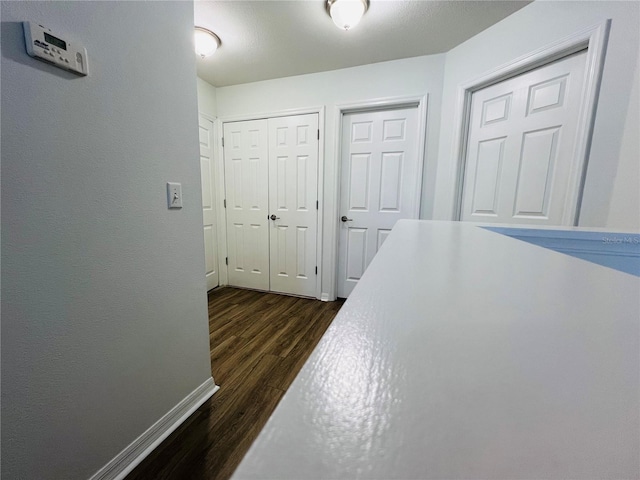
612, 171
625, 200
104, 315
415, 76
206, 98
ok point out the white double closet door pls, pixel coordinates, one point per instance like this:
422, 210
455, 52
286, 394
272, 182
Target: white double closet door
271, 187
522, 135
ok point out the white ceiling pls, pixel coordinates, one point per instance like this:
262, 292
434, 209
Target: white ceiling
273, 38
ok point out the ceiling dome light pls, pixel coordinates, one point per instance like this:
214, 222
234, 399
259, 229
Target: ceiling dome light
207, 42
346, 14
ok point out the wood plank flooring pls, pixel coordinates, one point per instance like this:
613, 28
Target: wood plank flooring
259, 342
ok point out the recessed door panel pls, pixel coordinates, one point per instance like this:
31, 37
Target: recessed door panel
359, 181
209, 253
356, 253
302, 242
281, 250
281, 183
302, 135
486, 183
209, 242
255, 239
253, 190
236, 138
256, 138
496, 109
382, 236
205, 173
391, 181
547, 95
281, 136
535, 174
236, 248
361, 132
302, 183
204, 135
393, 129
237, 192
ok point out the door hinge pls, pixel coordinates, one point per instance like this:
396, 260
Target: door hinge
316, 270
318, 134
226, 260
316, 204
222, 142
224, 203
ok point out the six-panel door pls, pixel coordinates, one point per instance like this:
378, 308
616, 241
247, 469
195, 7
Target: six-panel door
379, 185
271, 171
293, 192
520, 146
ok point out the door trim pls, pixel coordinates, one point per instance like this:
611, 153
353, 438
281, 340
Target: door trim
419, 101
222, 231
208, 117
594, 40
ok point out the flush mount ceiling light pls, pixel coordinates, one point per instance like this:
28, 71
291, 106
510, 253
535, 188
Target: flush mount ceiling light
346, 14
207, 42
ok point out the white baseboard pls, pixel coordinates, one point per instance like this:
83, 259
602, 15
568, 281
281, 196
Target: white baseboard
324, 297
123, 463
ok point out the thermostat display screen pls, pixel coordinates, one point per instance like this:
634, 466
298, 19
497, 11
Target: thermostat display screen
55, 41
54, 48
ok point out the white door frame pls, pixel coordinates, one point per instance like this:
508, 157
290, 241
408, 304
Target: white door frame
594, 39
222, 230
419, 101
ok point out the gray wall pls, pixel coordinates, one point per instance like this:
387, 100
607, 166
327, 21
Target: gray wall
207, 98
104, 318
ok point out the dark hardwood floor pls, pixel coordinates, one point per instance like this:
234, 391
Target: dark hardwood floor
259, 342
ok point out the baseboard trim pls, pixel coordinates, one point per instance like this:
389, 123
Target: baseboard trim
123, 463
324, 297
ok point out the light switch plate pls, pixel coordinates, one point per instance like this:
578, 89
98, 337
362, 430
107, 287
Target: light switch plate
174, 195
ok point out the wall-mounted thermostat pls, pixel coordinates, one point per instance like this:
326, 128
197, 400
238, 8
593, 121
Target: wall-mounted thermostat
44, 45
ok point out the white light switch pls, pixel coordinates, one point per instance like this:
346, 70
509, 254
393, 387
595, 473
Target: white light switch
174, 195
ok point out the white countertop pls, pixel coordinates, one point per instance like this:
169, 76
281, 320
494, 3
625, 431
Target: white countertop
466, 354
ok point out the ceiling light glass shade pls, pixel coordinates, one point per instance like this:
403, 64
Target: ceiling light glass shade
346, 14
207, 42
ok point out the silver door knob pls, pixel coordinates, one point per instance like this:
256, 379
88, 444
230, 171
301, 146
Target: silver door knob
345, 219
273, 217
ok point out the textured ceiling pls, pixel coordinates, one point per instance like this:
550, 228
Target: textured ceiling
271, 38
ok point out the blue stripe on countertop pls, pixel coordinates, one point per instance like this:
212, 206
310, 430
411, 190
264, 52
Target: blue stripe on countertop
620, 251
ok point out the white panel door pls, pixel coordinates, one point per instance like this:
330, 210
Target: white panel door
246, 187
521, 137
208, 202
293, 193
379, 185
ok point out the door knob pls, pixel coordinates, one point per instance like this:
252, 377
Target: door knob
345, 219
273, 217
